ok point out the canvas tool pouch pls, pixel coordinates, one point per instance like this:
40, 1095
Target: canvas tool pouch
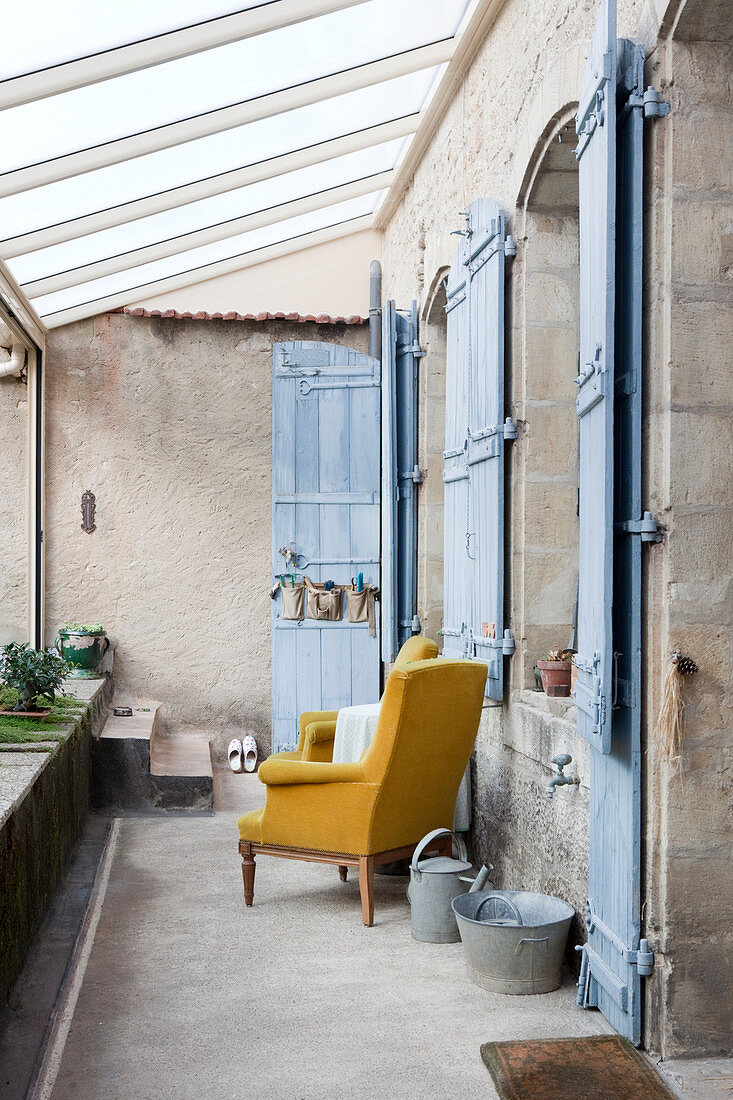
320, 604
292, 601
360, 606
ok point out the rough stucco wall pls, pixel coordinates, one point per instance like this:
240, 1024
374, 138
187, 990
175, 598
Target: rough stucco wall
168, 422
14, 511
522, 83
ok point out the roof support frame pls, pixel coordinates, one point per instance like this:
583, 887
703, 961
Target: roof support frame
159, 250
210, 271
156, 50
225, 118
175, 197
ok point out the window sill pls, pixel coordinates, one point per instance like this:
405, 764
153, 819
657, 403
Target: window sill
558, 708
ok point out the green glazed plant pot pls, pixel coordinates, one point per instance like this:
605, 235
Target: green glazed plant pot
83, 651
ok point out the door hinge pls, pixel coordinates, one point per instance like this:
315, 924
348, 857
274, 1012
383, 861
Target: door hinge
647, 527
654, 107
415, 475
643, 959
510, 429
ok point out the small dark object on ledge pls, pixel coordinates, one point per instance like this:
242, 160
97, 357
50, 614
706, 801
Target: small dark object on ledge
122, 712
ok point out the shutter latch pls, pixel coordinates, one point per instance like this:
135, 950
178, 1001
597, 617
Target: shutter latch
654, 107
647, 527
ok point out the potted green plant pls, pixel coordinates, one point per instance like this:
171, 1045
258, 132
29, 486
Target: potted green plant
83, 645
556, 670
35, 674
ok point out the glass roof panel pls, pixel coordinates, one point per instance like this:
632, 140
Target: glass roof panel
209, 156
135, 279
78, 28
207, 212
215, 78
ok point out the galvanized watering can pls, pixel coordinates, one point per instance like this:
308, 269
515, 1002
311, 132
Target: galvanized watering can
433, 885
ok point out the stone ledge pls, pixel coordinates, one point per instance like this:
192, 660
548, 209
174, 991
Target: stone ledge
44, 799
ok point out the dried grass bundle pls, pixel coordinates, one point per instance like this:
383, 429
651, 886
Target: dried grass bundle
669, 727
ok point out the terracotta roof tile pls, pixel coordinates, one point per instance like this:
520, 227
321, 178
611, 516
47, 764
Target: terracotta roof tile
299, 318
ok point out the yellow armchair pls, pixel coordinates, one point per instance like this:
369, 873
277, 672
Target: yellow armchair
317, 740
375, 811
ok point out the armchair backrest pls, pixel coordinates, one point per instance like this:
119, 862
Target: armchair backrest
427, 727
416, 648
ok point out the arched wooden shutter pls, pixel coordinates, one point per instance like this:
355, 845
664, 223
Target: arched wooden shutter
475, 434
596, 153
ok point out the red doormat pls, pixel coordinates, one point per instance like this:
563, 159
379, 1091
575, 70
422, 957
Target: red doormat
599, 1067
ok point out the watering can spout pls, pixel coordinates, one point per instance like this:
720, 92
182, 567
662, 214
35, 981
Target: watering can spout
480, 881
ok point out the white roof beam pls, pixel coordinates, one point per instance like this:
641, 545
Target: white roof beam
209, 235
197, 38
175, 197
210, 271
225, 118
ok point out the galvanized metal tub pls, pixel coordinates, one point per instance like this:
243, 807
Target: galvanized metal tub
505, 956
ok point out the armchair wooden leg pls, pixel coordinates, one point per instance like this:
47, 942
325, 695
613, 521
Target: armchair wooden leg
366, 889
248, 873
343, 872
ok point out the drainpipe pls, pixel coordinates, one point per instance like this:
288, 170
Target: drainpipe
375, 309
15, 362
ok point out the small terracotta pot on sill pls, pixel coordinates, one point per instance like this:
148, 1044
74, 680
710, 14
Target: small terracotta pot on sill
556, 678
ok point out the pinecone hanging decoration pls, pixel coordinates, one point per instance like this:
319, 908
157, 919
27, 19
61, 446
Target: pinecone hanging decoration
685, 665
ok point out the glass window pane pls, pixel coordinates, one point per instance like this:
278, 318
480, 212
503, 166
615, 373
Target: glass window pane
210, 156
215, 78
135, 278
77, 28
207, 212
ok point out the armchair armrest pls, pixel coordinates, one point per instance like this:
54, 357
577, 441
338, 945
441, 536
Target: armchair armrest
292, 772
320, 731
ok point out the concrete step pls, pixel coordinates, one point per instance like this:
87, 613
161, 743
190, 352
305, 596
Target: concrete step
138, 767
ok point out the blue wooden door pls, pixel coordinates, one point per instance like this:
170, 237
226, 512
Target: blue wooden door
326, 509
615, 957
400, 477
475, 437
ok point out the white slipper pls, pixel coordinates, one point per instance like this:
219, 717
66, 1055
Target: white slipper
236, 755
249, 752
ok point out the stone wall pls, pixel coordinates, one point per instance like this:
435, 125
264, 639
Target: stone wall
518, 95
14, 511
168, 422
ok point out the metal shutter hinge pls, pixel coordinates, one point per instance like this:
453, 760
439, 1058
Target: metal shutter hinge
647, 527
510, 246
643, 959
417, 350
416, 626
510, 429
507, 645
654, 107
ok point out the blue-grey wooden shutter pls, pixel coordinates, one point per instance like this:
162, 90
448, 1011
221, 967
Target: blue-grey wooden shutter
326, 507
388, 588
408, 471
457, 565
615, 956
486, 432
596, 153
475, 434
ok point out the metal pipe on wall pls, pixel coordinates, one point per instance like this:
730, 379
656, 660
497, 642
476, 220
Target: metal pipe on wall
375, 309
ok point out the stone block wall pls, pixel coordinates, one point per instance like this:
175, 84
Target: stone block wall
518, 94
169, 423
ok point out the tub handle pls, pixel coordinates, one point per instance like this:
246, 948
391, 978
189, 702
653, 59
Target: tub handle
505, 901
525, 939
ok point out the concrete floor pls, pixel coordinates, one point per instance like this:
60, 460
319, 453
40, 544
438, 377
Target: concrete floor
188, 995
